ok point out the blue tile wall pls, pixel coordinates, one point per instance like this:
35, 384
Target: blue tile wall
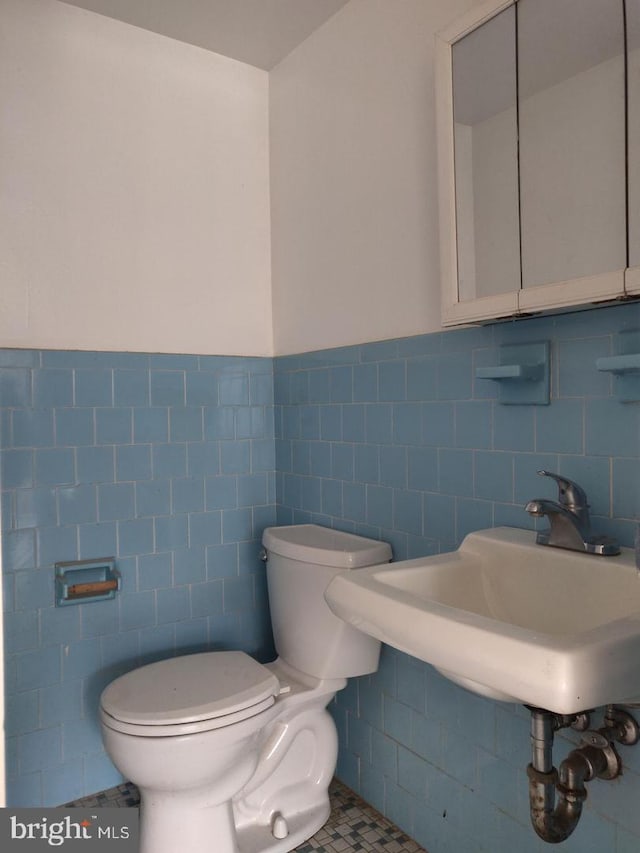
175, 464
168, 464
398, 440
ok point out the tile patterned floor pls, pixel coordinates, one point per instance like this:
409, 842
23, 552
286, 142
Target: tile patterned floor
123, 796
353, 827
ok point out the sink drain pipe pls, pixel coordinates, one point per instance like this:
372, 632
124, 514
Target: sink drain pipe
556, 796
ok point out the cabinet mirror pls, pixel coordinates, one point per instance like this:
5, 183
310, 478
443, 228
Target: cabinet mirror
633, 107
572, 138
486, 163
532, 146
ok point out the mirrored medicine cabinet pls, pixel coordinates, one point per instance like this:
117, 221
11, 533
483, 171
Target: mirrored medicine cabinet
539, 156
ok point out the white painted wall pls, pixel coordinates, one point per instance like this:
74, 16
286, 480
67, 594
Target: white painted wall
134, 196
353, 177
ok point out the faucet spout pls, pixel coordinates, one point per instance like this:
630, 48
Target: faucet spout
565, 527
569, 521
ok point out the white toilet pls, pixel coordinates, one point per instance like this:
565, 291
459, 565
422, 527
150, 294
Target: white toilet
232, 756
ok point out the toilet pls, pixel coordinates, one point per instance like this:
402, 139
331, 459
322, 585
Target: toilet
234, 756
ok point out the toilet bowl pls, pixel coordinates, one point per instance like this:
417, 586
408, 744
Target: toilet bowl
234, 756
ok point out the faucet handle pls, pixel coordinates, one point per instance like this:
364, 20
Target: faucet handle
570, 494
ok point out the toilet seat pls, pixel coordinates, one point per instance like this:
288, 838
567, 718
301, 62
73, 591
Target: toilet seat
188, 694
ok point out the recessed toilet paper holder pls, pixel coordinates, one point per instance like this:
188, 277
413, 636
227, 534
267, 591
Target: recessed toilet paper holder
81, 581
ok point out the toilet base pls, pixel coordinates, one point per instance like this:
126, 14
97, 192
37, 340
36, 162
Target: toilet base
259, 838
168, 826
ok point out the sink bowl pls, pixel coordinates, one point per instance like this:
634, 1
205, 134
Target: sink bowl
508, 619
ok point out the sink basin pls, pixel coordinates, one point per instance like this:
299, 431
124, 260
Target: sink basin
508, 619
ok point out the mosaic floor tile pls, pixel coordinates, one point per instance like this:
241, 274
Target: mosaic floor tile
124, 796
353, 826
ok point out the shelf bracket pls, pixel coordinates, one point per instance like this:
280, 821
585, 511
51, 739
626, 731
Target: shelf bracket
523, 374
625, 366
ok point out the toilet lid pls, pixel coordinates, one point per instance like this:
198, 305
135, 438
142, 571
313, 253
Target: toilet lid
190, 689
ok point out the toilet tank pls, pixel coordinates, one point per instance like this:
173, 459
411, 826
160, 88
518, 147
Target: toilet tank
301, 560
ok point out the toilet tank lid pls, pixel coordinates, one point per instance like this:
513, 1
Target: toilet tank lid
311, 543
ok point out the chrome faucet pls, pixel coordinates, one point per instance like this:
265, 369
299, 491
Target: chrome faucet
569, 521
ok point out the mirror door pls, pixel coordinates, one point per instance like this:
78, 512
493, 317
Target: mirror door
633, 142
477, 164
532, 148
486, 161
571, 113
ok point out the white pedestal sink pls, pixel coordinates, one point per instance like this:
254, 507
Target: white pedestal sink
508, 619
